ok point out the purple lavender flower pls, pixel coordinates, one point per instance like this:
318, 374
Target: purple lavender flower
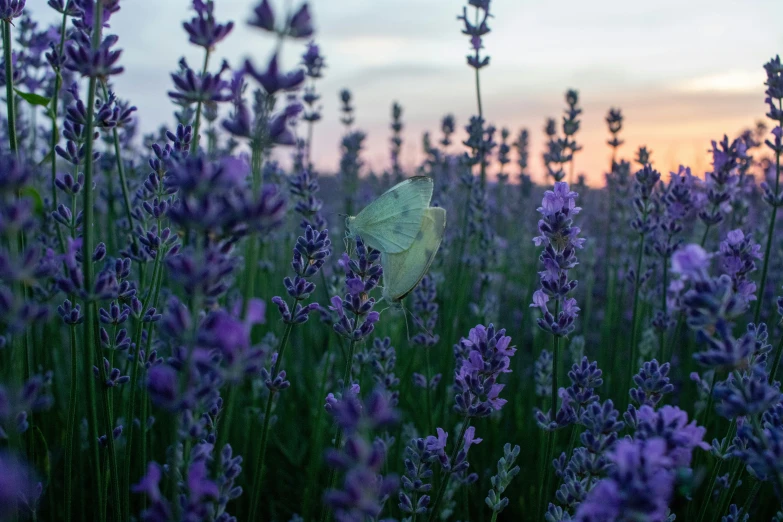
542, 373
691, 262
396, 141
639, 486
16, 484
99, 63
721, 183
351, 165
522, 145
476, 32
304, 187
614, 119
506, 472
772, 195
447, 126
480, 140
560, 240
10, 9
737, 255
585, 376
414, 493
425, 312
192, 87
745, 394
760, 446
383, 358
652, 383
310, 254
346, 108
724, 351
16, 404
487, 355
670, 423
279, 130
211, 197
263, 17
203, 29
228, 335
313, 61
361, 276
364, 490
300, 25
272, 80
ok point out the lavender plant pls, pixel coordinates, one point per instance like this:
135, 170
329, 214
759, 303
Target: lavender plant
146, 358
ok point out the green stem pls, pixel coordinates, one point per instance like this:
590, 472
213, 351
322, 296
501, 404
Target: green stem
777, 476
90, 322
446, 475
131, 407
480, 110
312, 468
58, 81
309, 164
710, 487
9, 87
634, 318
725, 499
751, 498
121, 172
109, 423
349, 362
665, 308
704, 237
71, 428
550, 446
776, 362
259, 467
770, 237
251, 267
194, 143
339, 438
430, 420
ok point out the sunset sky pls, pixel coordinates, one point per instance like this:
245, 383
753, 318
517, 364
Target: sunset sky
682, 71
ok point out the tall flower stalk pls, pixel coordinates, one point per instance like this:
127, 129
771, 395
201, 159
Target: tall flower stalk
310, 254
482, 358
353, 314
15, 11
91, 55
476, 31
774, 198
643, 224
204, 32
560, 239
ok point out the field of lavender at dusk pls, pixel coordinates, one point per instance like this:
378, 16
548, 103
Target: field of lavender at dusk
205, 323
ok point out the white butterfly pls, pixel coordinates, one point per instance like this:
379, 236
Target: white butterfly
402, 271
391, 222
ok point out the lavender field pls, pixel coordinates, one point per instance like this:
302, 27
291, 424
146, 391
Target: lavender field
191, 330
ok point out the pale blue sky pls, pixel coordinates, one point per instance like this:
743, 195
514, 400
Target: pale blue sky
681, 70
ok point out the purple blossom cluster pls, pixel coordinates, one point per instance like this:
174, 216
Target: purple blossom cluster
482, 357
560, 239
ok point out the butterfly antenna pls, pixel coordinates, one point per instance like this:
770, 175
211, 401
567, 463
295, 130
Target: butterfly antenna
405, 315
421, 325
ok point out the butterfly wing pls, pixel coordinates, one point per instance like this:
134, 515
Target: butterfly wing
403, 271
391, 222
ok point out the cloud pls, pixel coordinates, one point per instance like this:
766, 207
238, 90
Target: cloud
734, 81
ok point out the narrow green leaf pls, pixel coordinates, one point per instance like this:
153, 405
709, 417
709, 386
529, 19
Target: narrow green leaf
30, 192
33, 99
47, 159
